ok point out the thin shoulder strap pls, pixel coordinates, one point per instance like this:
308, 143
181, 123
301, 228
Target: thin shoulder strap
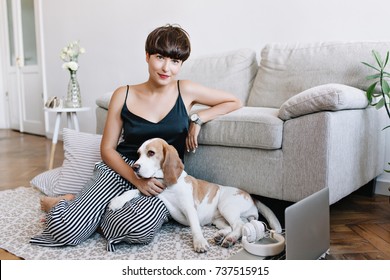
178, 86
127, 93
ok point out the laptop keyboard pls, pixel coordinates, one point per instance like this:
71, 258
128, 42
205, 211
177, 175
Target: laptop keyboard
281, 256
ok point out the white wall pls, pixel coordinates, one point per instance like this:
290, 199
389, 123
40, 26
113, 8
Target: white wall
114, 31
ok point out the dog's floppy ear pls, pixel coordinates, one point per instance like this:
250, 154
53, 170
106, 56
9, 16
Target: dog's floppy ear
172, 165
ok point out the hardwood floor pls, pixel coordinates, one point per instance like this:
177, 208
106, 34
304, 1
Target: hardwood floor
22, 157
360, 225
360, 228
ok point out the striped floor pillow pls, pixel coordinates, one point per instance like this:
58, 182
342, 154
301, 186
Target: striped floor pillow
81, 153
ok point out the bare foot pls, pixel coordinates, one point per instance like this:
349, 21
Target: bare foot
48, 202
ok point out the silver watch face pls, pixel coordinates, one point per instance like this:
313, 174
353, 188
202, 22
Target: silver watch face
194, 117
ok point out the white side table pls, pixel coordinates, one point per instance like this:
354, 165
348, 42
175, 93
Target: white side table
72, 122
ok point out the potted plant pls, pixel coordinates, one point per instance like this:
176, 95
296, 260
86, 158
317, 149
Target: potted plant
380, 98
379, 78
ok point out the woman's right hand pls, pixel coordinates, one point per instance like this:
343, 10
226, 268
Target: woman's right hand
150, 187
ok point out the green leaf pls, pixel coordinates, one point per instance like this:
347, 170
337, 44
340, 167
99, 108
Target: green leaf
385, 87
380, 104
370, 91
373, 67
372, 77
378, 58
386, 60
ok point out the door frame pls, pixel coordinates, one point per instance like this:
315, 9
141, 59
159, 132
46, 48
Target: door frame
5, 54
4, 113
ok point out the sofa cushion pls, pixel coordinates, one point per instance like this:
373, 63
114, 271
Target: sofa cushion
249, 127
329, 97
288, 69
232, 71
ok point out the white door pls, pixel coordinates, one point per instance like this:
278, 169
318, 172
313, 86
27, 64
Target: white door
23, 67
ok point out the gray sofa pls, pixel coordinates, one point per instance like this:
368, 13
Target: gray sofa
305, 124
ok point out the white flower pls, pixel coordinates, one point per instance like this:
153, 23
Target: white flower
70, 54
71, 65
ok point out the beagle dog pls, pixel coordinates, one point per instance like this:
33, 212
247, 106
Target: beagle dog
193, 202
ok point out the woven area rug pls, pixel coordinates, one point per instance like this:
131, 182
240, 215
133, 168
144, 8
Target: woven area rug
20, 217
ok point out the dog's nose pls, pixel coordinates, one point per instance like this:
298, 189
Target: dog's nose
136, 167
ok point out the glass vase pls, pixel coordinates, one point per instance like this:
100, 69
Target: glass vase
73, 97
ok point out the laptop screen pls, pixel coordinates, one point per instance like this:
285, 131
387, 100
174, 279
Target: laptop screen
307, 227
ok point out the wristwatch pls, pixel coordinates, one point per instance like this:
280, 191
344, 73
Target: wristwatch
195, 119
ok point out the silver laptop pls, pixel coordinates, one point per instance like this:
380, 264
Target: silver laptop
307, 230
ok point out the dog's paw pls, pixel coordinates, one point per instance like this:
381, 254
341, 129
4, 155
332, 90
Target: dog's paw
201, 245
221, 234
228, 242
117, 203
218, 238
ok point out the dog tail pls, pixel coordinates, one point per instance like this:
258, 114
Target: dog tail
269, 215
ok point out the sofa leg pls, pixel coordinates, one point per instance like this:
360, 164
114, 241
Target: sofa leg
368, 189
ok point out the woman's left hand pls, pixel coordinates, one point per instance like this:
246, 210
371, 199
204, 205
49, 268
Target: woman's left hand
192, 137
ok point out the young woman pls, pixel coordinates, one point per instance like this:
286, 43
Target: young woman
156, 108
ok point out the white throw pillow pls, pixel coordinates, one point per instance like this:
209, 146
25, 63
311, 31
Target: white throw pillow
46, 181
329, 97
81, 153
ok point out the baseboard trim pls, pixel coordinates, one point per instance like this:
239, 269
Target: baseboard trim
49, 135
382, 187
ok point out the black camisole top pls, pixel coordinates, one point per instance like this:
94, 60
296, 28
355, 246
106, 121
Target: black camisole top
173, 128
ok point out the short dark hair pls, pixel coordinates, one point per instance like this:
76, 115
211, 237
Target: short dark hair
170, 41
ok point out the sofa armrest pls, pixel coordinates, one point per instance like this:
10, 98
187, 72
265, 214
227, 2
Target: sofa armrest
328, 97
342, 150
104, 100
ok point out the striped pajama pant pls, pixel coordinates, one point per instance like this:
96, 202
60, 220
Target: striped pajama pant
72, 222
